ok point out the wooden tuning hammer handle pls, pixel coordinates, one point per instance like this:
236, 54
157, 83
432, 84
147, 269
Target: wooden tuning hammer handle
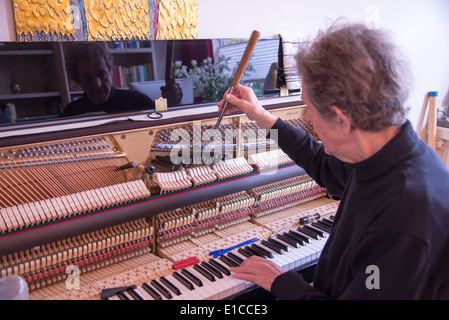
245, 58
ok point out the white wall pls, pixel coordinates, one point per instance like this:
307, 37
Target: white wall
420, 27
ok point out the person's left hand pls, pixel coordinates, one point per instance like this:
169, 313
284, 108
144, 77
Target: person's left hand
258, 270
172, 92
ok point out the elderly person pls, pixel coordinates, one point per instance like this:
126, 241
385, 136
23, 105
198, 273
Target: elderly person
90, 66
390, 236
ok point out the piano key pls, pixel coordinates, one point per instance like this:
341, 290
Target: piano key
228, 261
122, 296
279, 244
151, 291
208, 288
183, 281
255, 251
161, 289
244, 252
272, 246
317, 227
185, 293
204, 272
235, 258
212, 270
171, 286
297, 237
327, 221
192, 277
287, 240
321, 225
310, 232
134, 294
285, 237
144, 293
220, 267
263, 250
301, 236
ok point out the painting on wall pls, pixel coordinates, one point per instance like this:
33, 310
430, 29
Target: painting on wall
105, 20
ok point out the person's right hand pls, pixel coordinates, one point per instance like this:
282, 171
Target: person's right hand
245, 100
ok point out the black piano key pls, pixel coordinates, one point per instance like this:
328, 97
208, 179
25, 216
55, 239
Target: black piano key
327, 222
231, 263
186, 283
311, 233
301, 236
272, 247
245, 252
192, 277
263, 250
256, 251
122, 296
204, 272
161, 289
220, 267
318, 227
288, 240
211, 269
279, 244
332, 218
171, 286
151, 291
297, 240
301, 240
133, 293
235, 257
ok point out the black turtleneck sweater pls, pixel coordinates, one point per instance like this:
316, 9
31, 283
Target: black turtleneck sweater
393, 215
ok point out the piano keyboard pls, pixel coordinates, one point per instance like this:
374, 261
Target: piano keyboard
211, 279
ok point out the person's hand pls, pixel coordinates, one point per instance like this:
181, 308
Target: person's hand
172, 92
257, 270
245, 100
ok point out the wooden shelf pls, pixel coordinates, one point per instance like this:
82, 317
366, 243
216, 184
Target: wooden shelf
13, 96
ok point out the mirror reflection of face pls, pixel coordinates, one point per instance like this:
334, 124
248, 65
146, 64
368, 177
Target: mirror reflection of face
95, 79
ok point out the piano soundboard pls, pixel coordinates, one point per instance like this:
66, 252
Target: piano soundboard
137, 213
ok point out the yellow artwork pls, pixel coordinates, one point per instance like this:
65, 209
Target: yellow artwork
178, 19
117, 19
50, 17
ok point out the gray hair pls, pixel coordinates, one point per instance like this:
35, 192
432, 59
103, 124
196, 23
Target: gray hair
85, 51
358, 70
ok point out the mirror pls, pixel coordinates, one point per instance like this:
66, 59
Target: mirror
35, 86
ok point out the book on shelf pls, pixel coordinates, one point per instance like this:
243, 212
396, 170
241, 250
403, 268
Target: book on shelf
123, 76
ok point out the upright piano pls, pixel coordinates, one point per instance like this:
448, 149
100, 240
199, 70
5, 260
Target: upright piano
132, 207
